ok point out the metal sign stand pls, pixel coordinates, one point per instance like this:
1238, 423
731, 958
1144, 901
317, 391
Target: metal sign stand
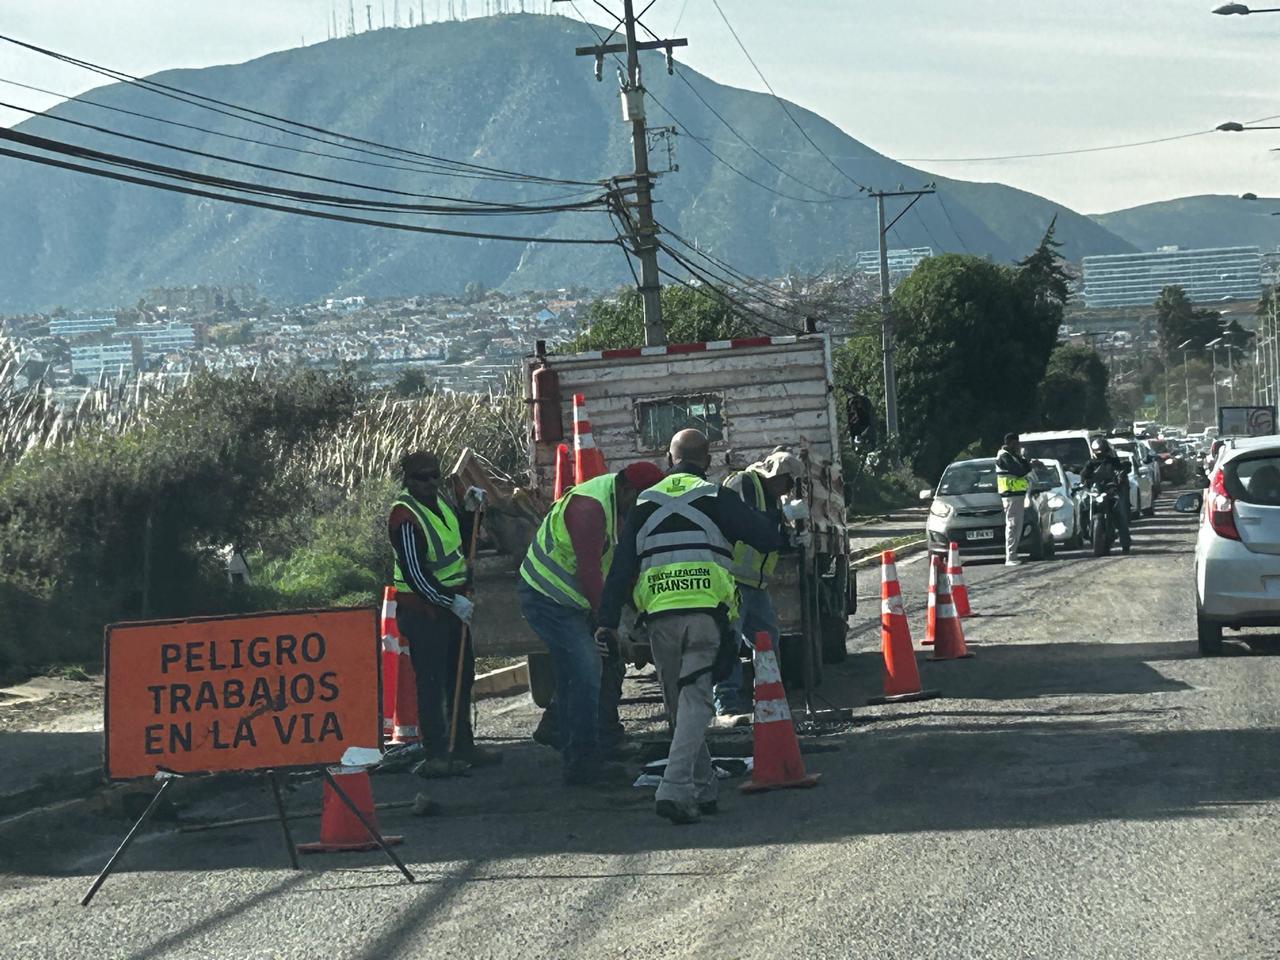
167, 779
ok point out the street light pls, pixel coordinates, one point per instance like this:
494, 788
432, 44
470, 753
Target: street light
1232, 126
1227, 9
1186, 378
1213, 352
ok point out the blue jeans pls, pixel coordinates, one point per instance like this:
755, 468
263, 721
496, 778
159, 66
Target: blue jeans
756, 610
576, 664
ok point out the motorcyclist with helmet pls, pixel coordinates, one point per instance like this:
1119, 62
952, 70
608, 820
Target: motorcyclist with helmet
1106, 469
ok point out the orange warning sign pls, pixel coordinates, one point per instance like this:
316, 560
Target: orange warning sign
255, 692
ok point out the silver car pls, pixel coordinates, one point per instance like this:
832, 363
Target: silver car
1064, 524
1237, 561
966, 509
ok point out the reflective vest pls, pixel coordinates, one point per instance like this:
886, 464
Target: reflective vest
444, 560
550, 565
1007, 483
751, 567
683, 569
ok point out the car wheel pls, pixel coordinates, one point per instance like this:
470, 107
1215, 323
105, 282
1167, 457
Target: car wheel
1050, 548
1150, 511
1036, 550
1208, 636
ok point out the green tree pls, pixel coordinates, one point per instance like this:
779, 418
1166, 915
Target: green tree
411, 382
973, 340
689, 316
1178, 320
1074, 390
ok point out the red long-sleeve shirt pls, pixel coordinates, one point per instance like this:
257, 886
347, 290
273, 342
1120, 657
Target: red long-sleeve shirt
585, 521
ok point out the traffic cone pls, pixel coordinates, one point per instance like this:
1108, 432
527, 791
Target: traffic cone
340, 830
405, 728
390, 657
931, 606
955, 580
776, 751
588, 461
943, 626
564, 471
901, 676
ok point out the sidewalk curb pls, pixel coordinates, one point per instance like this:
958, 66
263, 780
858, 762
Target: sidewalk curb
69, 785
502, 682
872, 558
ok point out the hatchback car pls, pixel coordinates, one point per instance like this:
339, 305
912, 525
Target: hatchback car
1142, 484
966, 509
1237, 559
1064, 510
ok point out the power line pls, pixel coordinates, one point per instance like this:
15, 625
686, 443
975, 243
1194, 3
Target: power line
465, 206
782, 103
446, 166
284, 208
963, 246
929, 233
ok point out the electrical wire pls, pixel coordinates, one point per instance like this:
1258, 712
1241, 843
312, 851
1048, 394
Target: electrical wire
782, 103
942, 203
929, 233
284, 208
446, 166
470, 206
83, 99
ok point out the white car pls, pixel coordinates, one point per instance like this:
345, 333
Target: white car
1237, 560
1142, 481
1065, 523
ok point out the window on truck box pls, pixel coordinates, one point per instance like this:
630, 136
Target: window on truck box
658, 420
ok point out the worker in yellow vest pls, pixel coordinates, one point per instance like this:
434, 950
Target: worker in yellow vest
428, 536
677, 550
762, 487
561, 581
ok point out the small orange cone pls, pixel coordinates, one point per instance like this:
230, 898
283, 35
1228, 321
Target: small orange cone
340, 830
564, 471
955, 580
405, 729
588, 461
931, 613
390, 657
943, 626
901, 676
776, 762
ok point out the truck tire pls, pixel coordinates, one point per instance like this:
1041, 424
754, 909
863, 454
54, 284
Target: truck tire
542, 680
834, 631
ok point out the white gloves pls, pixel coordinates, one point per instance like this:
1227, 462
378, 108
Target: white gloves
474, 499
462, 608
801, 539
795, 510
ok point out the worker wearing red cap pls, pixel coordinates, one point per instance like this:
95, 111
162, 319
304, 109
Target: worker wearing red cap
562, 580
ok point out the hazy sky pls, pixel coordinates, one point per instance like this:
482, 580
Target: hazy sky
911, 78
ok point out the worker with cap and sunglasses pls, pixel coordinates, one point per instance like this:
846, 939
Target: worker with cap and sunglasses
765, 486
561, 583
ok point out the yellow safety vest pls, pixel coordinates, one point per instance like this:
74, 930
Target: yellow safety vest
445, 560
683, 569
550, 565
751, 567
1007, 483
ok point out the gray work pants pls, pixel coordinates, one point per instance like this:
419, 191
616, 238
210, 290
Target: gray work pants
1014, 509
684, 644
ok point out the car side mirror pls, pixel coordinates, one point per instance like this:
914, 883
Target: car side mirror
1189, 503
1077, 487
926, 494
1041, 487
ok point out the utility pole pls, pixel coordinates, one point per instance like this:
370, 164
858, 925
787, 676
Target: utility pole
368, 17
641, 226
886, 313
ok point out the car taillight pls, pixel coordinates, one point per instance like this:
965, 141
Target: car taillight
1221, 513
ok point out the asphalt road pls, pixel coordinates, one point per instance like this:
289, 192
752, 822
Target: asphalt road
1087, 787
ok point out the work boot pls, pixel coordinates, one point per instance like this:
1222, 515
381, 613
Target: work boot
708, 807
435, 768
545, 733
478, 756
676, 813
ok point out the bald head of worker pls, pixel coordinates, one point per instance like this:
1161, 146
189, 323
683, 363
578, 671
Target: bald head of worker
691, 447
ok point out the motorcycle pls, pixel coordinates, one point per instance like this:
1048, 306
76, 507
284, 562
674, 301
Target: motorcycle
1102, 526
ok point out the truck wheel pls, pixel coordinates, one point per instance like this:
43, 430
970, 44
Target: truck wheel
1208, 636
833, 640
542, 680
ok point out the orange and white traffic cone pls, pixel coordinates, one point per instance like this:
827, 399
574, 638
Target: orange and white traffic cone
776, 762
901, 676
341, 830
390, 658
955, 580
943, 626
932, 604
564, 471
588, 461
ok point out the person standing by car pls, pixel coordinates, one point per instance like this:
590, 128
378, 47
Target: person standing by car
1106, 469
1013, 480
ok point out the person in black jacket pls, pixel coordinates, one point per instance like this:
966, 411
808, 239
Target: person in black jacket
1107, 470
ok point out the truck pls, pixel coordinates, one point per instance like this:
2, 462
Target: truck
750, 396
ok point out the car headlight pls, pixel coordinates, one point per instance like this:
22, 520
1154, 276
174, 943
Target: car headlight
940, 509
1056, 502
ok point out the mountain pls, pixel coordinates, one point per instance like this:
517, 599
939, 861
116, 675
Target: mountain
502, 91
1204, 221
